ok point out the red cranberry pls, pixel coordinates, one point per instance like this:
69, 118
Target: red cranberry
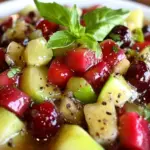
139, 75
43, 120
122, 34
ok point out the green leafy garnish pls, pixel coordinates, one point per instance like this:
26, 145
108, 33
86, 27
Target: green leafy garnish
115, 37
98, 24
138, 35
61, 39
115, 48
102, 20
12, 72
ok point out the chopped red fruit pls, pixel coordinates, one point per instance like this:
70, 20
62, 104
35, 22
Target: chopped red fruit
43, 120
5, 79
145, 96
139, 75
81, 59
59, 73
86, 10
5, 25
97, 75
134, 132
47, 27
14, 100
147, 37
140, 46
2, 59
112, 54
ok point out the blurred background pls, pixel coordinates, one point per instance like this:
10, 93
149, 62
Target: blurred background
146, 2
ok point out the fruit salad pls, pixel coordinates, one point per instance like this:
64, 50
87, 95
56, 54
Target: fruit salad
74, 79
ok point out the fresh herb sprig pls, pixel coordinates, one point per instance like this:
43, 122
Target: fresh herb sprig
98, 24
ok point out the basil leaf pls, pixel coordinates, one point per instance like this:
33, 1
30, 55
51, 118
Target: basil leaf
102, 20
75, 26
138, 35
60, 39
89, 42
54, 12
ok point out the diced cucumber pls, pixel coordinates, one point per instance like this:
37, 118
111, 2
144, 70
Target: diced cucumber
133, 22
81, 89
144, 55
37, 53
10, 125
73, 137
117, 89
102, 121
33, 81
14, 54
122, 67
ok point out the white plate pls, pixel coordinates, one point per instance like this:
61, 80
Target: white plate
13, 6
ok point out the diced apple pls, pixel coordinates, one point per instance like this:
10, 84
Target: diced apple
36, 53
33, 81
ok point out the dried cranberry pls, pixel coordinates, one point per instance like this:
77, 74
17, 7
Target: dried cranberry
146, 29
121, 34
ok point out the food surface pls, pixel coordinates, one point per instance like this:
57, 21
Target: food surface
74, 79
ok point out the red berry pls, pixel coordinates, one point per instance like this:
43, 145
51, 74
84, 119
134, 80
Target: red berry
59, 73
6, 80
97, 75
134, 132
140, 46
81, 59
14, 100
43, 120
122, 33
139, 75
112, 54
47, 27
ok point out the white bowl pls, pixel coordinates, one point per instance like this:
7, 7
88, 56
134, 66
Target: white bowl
10, 7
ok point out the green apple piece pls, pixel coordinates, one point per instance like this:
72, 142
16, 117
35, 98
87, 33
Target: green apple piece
10, 125
81, 89
144, 55
133, 22
14, 54
33, 81
37, 53
73, 137
71, 109
122, 67
117, 89
102, 121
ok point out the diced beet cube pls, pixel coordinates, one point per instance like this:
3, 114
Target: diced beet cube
112, 54
59, 73
5, 79
81, 59
97, 75
14, 100
133, 132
